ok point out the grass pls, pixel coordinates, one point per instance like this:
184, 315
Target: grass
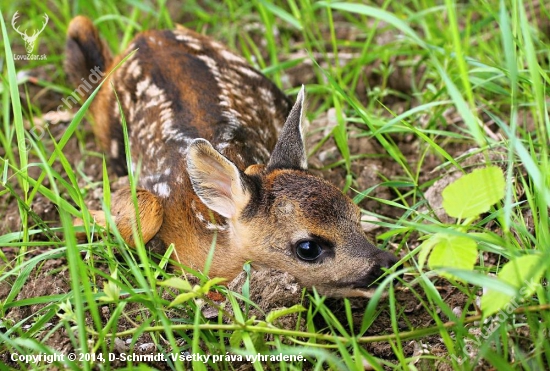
476, 78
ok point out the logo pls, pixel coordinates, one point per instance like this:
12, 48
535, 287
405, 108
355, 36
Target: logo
29, 40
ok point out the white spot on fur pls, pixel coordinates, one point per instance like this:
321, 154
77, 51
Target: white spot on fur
166, 114
162, 189
134, 68
114, 148
230, 57
202, 219
142, 85
156, 95
160, 162
191, 42
213, 227
266, 95
212, 65
250, 72
126, 99
263, 133
217, 44
199, 216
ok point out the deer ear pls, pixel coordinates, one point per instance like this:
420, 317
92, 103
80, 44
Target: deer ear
216, 180
290, 151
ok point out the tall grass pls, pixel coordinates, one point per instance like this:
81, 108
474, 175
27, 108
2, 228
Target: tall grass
477, 79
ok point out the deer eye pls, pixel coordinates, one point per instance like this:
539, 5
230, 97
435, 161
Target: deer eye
308, 250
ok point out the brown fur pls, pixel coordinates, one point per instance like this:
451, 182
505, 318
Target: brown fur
150, 214
181, 86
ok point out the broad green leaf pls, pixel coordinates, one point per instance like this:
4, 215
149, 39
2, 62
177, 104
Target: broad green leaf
474, 193
426, 247
523, 273
454, 252
481, 279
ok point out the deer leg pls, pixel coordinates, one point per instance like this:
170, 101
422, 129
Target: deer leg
123, 213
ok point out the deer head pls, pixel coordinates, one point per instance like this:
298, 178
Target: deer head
281, 216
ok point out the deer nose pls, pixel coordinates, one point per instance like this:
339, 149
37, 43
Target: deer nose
383, 261
387, 260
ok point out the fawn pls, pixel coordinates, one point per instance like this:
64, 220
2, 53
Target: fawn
222, 152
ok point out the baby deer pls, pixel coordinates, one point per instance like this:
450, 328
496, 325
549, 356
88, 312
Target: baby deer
221, 151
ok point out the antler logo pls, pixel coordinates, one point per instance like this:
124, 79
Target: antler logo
29, 40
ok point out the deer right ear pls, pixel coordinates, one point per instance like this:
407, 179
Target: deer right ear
216, 180
290, 151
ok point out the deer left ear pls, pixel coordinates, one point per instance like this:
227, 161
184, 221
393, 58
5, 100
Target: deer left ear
290, 151
216, 180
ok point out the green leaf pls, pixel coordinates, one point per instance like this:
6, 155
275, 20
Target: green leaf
112, 292
454, 252
426, 247
191, 292
523, 273
182, 298
273, 315
481, 280
474, 193
176, 283
212, 282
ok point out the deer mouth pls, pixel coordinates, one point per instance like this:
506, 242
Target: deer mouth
348, 292
368, 284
